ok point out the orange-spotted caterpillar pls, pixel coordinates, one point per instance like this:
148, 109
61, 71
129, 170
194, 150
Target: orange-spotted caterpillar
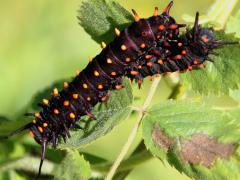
147, 47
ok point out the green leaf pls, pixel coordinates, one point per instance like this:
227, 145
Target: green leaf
73, 166
108, 115
222, 75
196, 137
233, 25
27, 164
99, 18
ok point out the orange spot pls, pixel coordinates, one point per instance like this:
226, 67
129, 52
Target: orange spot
56, 111
100, 86
31, 133
173, 26
178, 56
184, 52
88, 99
45, 101
113, 73
180, 44
185, 70
150, 78
201, 66
55, 91
195, 62
158, 75
136, 16
34, 121
72, 115
85, 86
90, 59
103, 45
190, 67
117, 32
149, 64
45, 124
75, 96
155, 13
134, 73
104, 98
65, 84
37, 115
142, 45
78, 72
160, 61
127, 59
123, 47
66, 103
109, 61
118, 87
204, 38
96, 73
161, 27
148, 56
40, 129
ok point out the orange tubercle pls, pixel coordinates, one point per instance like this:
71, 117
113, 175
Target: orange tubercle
40, 129
109, 61
113, 73
66, 103
123, 47
96, 73
127, 59
72, 115
85, 86
75, 96
161, 27
100, 86
56, 111
118, 87
142, 45
133, 73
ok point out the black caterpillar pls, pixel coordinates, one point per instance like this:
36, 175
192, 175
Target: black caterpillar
147, 47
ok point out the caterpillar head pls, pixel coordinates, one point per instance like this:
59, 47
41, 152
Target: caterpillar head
202, 41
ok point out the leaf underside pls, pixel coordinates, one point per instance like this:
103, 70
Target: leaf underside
196, 137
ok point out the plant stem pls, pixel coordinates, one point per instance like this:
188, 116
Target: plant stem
133, 132
127, 164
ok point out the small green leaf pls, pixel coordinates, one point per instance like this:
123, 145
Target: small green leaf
108, 115
99, 18
222, 75
196, 137
233, 25
73, 166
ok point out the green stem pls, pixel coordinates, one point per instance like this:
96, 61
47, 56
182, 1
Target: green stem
133, 133
128, 164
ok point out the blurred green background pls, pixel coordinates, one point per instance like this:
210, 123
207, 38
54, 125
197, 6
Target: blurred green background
41, 42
